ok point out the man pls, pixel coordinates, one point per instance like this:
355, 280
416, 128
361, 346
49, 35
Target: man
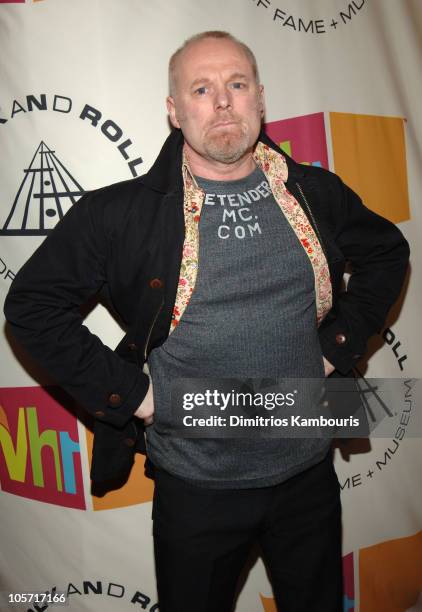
224, 260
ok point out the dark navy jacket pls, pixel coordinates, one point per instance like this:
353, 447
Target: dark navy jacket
125, 242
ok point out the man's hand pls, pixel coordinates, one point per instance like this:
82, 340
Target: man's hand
329, 368
146, 409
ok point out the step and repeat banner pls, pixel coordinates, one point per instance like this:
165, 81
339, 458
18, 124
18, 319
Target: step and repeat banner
82, 104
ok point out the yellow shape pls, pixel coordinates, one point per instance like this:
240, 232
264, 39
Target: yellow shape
268, 603
390, 575
370, 156
137, 490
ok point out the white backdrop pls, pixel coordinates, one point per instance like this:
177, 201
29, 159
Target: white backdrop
97, 74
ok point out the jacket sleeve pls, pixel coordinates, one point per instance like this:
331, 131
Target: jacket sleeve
43, 310
378, 255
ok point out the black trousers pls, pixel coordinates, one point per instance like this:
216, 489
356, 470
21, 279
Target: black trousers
202, 538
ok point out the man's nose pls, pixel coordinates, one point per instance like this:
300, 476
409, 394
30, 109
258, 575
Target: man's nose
223, 99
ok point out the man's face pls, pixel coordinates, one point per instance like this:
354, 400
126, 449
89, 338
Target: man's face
217, 102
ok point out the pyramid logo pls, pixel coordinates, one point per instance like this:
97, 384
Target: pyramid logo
46, 193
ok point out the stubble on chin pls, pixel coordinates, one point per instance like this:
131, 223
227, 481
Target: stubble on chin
228, 146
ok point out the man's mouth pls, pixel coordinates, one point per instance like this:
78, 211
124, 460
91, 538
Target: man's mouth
223, 124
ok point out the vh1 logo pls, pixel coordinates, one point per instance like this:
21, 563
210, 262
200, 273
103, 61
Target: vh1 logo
39, 448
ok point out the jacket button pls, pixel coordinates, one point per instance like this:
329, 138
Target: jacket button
357, 356
114, 400
156, 283
132, 346
129, 441
340, 338
99, 413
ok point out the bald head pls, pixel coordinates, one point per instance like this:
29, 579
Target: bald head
177, 56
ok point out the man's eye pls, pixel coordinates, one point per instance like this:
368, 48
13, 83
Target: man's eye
200, 91
238, 85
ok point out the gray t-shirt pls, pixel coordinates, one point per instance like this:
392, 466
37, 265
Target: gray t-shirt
252, 314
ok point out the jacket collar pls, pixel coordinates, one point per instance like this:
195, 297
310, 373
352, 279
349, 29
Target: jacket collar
165, 175
295, 170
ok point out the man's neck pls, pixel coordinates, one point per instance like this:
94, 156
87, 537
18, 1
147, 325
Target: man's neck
219, 171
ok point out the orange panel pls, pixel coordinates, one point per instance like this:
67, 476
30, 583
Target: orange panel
391, 575
370, 156
268, 604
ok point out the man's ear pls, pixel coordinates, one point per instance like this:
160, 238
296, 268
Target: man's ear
171, 107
